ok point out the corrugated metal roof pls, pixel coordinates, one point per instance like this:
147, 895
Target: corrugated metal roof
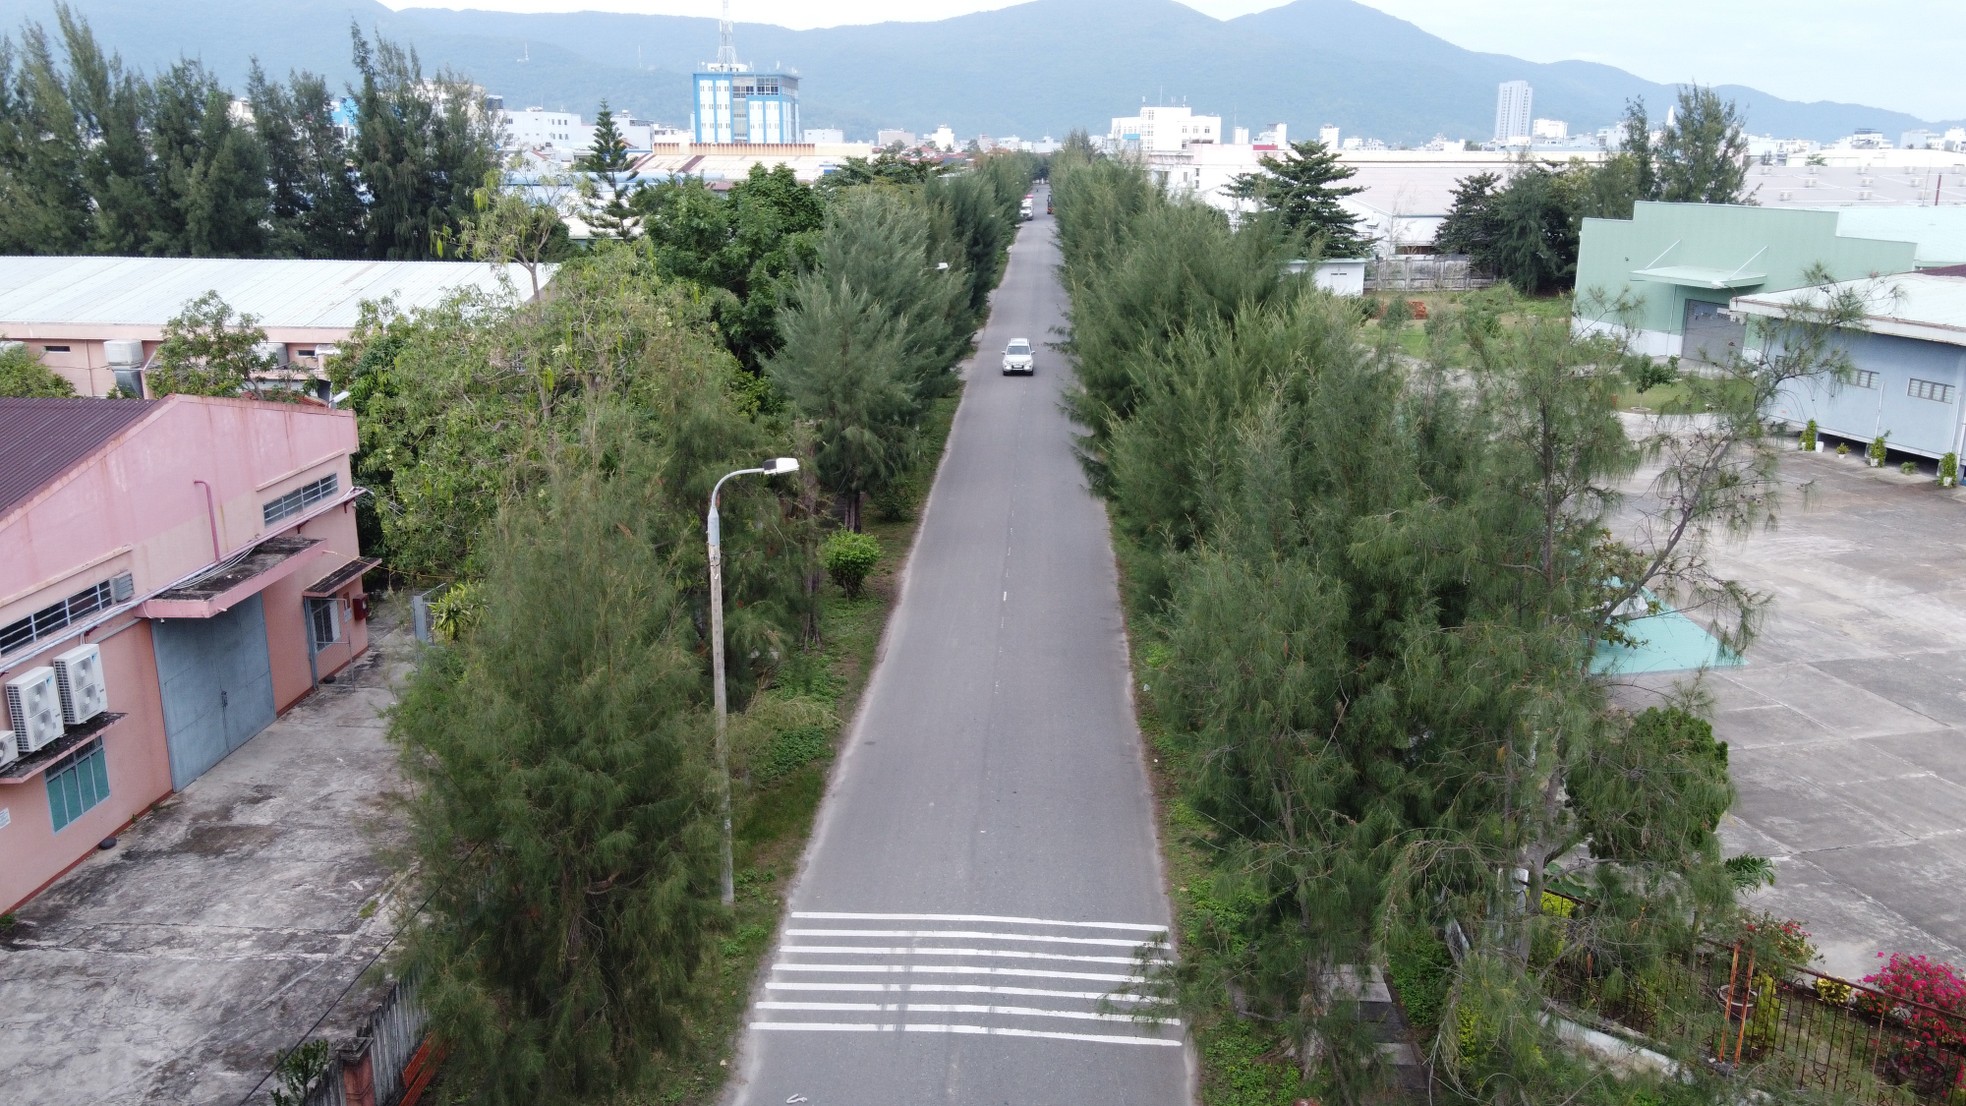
149, 291
1924, 306
42, 438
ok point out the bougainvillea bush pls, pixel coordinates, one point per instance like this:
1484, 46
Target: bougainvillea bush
1928, 998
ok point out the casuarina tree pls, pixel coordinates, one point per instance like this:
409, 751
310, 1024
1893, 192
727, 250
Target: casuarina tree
1304, 188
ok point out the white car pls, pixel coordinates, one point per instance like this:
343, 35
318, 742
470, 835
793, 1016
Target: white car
1018, 358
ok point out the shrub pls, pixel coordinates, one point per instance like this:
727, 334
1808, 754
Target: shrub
1909, 468
897, 499
1421, 971
1876, 449
1782, 938
1552, 933
1949, 469
1765, 1020
1929, 1000
1843, 449
1646, 374
1809, 437
849, 558
1833, 992
1397, 314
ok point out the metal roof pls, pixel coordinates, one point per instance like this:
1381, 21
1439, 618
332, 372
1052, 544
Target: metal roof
281, 294
1924, 306
1696, 276
42, 438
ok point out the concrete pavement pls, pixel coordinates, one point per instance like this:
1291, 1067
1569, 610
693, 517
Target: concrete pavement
173, 968
984, 869
1847, 725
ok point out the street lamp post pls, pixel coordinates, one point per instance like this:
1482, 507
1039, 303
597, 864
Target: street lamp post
777, 466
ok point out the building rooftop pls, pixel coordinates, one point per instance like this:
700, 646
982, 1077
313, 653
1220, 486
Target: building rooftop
285, 294
42, 438
1938, 232
1926, 306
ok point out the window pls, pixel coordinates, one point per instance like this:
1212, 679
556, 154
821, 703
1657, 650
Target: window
52, 619
324, 617
1864, 378
76, 783
54, 349
1930, 389
301, 498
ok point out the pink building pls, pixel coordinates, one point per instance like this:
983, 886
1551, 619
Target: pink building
98, 321
181, 570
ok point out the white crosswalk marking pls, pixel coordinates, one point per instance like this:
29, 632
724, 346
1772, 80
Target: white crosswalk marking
939, 973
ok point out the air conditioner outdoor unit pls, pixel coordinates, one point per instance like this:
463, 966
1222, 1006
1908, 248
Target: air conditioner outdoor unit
34, 703
1809, 183
123, 353
1864, 195
9, 752
78, 676
1787, 195
1866, 181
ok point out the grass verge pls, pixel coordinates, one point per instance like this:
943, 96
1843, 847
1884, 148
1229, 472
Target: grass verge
787, 777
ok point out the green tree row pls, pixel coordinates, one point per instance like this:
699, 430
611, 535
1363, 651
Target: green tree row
98, 158
1377, 597
1524, 226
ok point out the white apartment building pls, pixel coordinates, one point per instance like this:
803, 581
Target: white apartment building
1327, 136
1549, 130
1512, 111
943, 139
538, 127
1164, 128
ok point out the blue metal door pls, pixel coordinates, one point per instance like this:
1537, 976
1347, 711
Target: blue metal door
217, 684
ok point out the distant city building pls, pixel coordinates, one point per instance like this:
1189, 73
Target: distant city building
886, 138
943, 139
1276, 134
1239, 137
825, 136
1512, 111
1327, 136
1160, 128
539, 127
735, 105
1549, 130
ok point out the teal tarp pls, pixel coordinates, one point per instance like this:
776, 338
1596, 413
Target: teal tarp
1664, 642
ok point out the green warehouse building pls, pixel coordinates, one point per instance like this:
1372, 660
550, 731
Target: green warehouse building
1676, 267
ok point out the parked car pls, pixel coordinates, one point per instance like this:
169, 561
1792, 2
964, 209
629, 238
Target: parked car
1018, 358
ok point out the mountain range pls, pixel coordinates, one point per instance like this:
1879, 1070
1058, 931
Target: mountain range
1038, 68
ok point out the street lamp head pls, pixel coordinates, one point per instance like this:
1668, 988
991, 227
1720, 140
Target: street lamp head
779, 466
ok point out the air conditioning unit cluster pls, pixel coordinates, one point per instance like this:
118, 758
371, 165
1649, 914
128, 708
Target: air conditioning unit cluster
34, 703
43, 702
1787, 195
1866, 181
1864, 194
78, 678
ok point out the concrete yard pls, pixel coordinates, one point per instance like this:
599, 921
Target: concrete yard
1847, 724
174, 967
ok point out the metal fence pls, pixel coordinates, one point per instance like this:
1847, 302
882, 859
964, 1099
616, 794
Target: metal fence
1423, 273
1781, 1028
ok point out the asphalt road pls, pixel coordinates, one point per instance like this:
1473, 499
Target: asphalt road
984, 870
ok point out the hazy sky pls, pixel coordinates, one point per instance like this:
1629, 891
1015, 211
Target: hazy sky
1885, 53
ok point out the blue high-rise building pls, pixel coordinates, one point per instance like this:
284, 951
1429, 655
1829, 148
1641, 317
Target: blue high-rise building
732, 104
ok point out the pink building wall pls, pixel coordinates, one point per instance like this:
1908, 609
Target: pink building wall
133, 506
80, 357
